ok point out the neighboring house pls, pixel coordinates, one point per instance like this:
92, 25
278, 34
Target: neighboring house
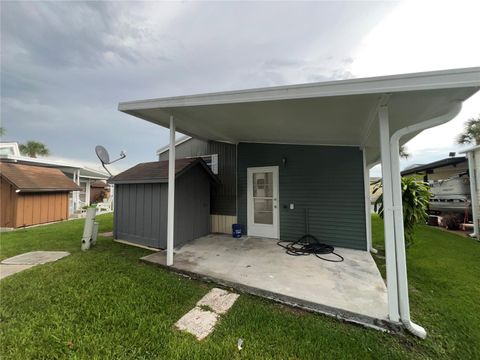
439, 170
303, 154
449, 185
141, 202
99, 190
32, 195
82, 175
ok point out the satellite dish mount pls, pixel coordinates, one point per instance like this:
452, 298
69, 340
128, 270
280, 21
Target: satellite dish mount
102, 154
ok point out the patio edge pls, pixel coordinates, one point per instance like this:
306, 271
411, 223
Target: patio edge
339, 314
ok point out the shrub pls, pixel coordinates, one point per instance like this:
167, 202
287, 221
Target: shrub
415, 198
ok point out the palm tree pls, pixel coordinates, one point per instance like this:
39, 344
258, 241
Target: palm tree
471, 132
34, 148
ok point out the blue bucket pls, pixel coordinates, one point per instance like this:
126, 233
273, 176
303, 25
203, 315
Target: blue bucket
237, 230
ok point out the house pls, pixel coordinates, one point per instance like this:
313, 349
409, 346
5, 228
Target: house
303, 154
82, 175
99, 190
141, 202
449, 185
439, 170
32, 195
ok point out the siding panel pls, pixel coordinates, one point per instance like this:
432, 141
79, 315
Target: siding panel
326, 180
141, 210
223, 196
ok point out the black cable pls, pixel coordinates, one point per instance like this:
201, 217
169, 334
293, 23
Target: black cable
307, 245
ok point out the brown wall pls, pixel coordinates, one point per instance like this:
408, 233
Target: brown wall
25, 209
39, 208
7, 204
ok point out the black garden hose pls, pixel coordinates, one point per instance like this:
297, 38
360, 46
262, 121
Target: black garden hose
309, 244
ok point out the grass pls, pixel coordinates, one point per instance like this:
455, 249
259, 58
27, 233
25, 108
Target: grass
104, 303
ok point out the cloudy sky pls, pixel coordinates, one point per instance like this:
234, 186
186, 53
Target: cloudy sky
66, 65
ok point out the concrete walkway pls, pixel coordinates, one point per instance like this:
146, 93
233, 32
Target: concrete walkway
25, 261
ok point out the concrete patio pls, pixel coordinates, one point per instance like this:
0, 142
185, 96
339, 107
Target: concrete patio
352, 290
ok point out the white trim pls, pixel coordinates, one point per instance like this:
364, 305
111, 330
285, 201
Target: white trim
473, 192
171, 195
178, 142
469, 149
258, 229
14, 145
57, 164
298, 144
454, 78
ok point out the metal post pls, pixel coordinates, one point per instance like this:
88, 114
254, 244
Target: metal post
368, 212
473, 191
388, 220
171, 193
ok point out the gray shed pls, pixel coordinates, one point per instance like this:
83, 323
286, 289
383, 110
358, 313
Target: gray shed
141, 194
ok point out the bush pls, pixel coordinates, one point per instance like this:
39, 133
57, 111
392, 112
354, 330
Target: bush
415, 198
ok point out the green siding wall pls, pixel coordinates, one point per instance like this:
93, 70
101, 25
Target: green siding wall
328, 180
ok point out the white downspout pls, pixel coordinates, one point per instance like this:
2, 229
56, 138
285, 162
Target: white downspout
171, 194
404, 304
473, 192
390, 256
368, 215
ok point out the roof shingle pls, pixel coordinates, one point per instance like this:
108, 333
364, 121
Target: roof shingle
157, 171
29, 178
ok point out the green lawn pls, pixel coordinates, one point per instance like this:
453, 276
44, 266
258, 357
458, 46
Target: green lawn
104, 303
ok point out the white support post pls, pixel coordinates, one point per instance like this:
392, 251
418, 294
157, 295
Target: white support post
171, 194
368, 212
402, 279
389, 230
87, 192
473, 192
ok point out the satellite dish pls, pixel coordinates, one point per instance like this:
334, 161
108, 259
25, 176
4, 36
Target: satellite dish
102, 154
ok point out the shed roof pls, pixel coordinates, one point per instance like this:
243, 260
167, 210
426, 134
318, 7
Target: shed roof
157, 171
29, 178
435, 165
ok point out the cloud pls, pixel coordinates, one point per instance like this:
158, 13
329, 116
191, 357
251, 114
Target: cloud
66, 65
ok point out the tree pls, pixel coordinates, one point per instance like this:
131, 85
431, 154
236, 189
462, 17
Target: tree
34, 148
404, 152
415, 198
471, 132
2, 131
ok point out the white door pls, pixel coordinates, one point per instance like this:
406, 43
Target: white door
262, 202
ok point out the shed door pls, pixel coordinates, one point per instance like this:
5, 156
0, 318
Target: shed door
262, 202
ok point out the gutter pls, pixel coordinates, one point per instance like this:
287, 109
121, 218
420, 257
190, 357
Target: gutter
402, 280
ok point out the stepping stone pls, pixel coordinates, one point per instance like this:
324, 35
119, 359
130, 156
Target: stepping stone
201, 322
198, 322
25, 261
7, 270
218, 300
35, 258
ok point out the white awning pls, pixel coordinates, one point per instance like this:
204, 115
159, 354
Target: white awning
328, 113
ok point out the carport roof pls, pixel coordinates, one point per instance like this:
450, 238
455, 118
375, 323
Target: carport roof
326, 113
157, 171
